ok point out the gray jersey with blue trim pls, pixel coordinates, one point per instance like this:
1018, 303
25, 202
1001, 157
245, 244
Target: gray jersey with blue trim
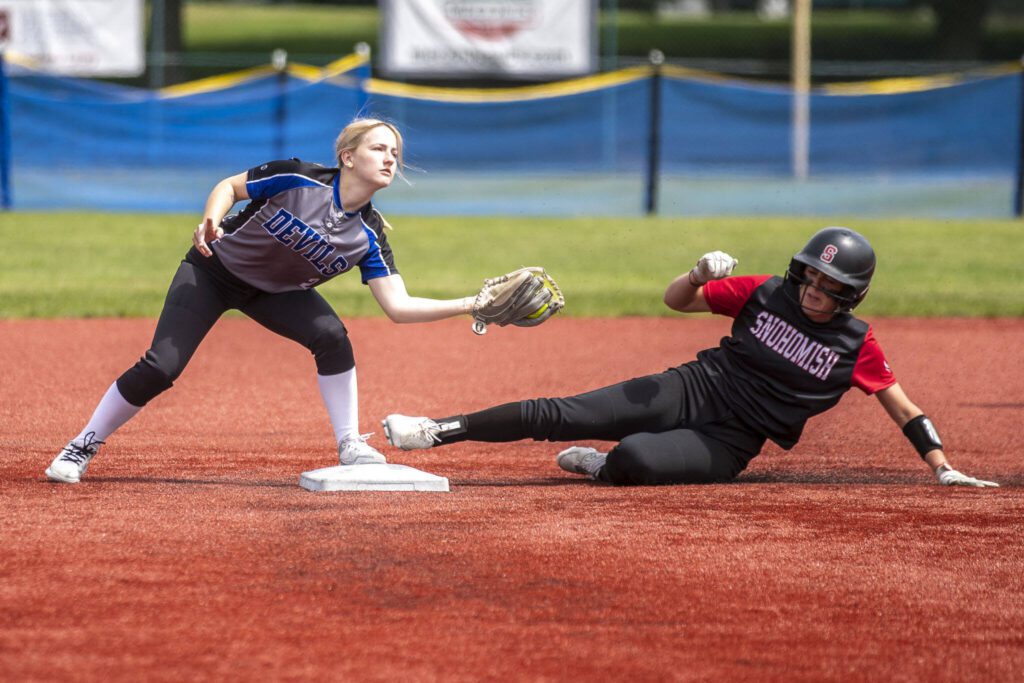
295, 234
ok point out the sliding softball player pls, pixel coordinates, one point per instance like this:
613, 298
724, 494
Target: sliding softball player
794, 350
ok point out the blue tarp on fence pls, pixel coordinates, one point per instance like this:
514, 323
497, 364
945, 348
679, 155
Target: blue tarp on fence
577, 147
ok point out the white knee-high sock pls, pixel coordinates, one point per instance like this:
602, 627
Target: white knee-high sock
341, 397
112, 412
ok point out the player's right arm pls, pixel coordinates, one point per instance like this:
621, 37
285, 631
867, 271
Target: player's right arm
686, 293
223, 196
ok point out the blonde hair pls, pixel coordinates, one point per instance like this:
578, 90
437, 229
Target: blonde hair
353, 134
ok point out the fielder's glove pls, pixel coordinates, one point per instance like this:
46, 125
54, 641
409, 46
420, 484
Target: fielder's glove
712, 266
947, 476
524, 297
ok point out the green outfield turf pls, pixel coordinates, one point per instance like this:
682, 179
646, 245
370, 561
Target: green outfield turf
93, 264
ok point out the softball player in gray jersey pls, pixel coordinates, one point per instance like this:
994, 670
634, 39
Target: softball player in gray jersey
794, 350
303, 225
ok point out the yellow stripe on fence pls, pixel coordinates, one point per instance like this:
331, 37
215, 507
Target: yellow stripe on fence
21, 60
222, 82
686, 74
306, 72
527, 92
345, 66
896, 86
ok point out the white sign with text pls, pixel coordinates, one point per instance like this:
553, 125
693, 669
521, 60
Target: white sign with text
76, 37
506, 38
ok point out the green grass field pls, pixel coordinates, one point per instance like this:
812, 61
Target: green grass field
97, 264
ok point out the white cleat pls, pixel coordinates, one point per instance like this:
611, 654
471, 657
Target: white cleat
72, 462
582, 460
354, 450
411, 433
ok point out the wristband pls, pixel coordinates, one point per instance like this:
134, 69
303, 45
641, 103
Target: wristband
689, 277
921, 433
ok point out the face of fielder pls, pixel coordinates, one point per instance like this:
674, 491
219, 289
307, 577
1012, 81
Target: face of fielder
375, 160
814, 300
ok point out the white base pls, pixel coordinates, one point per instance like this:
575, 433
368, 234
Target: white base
371, 478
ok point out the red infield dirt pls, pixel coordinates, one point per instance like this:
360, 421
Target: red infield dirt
190, 553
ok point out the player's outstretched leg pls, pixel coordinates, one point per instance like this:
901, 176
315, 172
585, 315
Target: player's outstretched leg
582, 460
72, 462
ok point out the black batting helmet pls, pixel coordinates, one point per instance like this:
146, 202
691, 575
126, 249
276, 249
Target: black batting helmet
843, 255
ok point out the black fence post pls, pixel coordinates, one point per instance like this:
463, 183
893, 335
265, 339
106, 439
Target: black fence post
1018, 189
654, 134
5, 138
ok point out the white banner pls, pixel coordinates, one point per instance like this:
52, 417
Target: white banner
76, 37
510, 38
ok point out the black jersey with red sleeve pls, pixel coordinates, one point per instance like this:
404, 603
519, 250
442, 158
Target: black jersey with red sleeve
778, 368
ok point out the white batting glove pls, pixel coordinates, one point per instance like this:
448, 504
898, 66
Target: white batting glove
712, 266
947, 476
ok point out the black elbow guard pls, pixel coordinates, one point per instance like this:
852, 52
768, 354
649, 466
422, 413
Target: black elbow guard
922, 434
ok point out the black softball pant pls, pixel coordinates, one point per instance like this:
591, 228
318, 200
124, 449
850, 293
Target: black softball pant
200, 292
671, 428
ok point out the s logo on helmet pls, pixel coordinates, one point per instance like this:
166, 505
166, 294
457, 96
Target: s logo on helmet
829, 253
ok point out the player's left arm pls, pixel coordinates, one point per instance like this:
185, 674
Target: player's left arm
925, 438
394, 299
